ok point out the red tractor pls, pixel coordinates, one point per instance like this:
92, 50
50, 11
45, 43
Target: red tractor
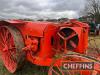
44, 44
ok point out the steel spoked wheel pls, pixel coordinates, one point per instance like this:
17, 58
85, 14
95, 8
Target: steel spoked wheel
56, 67
69, 38
11, 47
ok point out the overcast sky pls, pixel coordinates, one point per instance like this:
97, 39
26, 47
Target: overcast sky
40, 8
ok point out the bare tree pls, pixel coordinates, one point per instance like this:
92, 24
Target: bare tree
92, 9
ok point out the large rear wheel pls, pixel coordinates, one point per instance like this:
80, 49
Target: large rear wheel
11, 44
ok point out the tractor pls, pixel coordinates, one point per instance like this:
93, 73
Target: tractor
45, 44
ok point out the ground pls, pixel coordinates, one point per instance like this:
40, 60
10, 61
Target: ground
30, 69
27, 69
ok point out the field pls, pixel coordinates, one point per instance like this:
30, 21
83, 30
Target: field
27, 69
30, 69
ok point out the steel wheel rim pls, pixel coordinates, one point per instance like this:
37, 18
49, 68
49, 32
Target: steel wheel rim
8, 48
77, 58
12, 51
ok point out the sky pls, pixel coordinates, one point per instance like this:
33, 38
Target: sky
37, 9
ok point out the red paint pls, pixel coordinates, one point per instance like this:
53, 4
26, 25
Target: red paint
43, 39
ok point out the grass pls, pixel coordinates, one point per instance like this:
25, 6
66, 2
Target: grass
94, 41
27, 69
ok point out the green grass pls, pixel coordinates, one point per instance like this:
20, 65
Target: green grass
94, 41
27, 69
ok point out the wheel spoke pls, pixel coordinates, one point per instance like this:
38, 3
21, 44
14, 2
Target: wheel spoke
2, 43
61, 36
6, 36
2, 38
60, 70
10, 42
73, 44
4, 31
70, 36
55, 72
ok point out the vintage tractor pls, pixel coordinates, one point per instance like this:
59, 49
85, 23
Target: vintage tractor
45, 44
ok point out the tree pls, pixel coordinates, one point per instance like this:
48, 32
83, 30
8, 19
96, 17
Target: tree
92, 9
